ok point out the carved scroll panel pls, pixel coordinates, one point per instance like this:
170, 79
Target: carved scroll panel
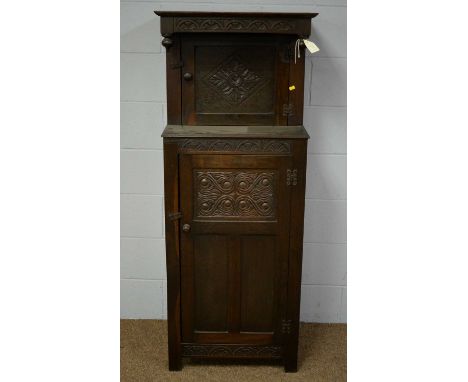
237, 193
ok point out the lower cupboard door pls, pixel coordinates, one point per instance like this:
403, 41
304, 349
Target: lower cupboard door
234, 248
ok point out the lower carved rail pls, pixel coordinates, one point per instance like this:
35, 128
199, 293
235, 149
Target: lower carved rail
231, 351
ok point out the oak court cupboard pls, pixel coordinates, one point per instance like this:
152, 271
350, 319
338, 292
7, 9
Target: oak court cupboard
234, 183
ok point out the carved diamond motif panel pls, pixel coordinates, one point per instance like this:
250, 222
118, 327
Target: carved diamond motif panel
233, 81
235, 193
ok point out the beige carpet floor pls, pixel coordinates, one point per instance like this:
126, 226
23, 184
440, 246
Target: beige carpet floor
143, 357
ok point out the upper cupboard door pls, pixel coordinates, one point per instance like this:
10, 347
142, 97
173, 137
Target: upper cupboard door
230, 80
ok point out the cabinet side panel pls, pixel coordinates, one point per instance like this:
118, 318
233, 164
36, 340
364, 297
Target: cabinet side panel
258, 259
295, 255
171, 200
211, 282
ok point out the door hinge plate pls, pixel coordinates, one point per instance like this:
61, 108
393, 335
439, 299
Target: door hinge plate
288, 109
286, 326
291, 177
175, 216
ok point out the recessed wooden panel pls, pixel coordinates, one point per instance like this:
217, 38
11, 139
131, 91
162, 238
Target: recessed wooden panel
235, 193
258, 261
211, 282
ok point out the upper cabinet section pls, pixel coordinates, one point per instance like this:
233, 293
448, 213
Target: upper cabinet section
234, 68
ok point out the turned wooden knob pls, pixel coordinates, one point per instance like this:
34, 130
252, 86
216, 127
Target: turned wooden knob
188, 76
167, 42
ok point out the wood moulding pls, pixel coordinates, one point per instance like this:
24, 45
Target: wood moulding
217, 22
235, 145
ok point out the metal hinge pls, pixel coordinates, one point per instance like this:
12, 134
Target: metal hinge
175, 216
291, 177
288, 109
286, 326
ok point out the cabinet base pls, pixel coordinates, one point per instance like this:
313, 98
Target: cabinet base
233, 352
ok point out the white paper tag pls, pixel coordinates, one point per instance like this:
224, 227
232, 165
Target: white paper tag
311, 47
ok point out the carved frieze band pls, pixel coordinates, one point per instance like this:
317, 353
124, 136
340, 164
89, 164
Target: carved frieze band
231, 351
235, 193
240, 145
227, 24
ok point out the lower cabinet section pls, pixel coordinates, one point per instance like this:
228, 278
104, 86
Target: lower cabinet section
234, 226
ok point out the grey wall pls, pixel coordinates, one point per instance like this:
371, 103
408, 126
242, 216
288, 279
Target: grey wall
143, 277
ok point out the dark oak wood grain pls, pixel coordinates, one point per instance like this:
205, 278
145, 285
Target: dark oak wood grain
296, 96
171, 205
249, 132
235, 156
295, 257
173, 78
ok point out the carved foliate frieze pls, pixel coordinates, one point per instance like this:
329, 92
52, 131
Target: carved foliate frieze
228, 24
235, 193
236, 145
231, 351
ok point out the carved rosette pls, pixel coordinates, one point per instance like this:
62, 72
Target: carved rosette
227, 24
235, 193
231, 351
236, 145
